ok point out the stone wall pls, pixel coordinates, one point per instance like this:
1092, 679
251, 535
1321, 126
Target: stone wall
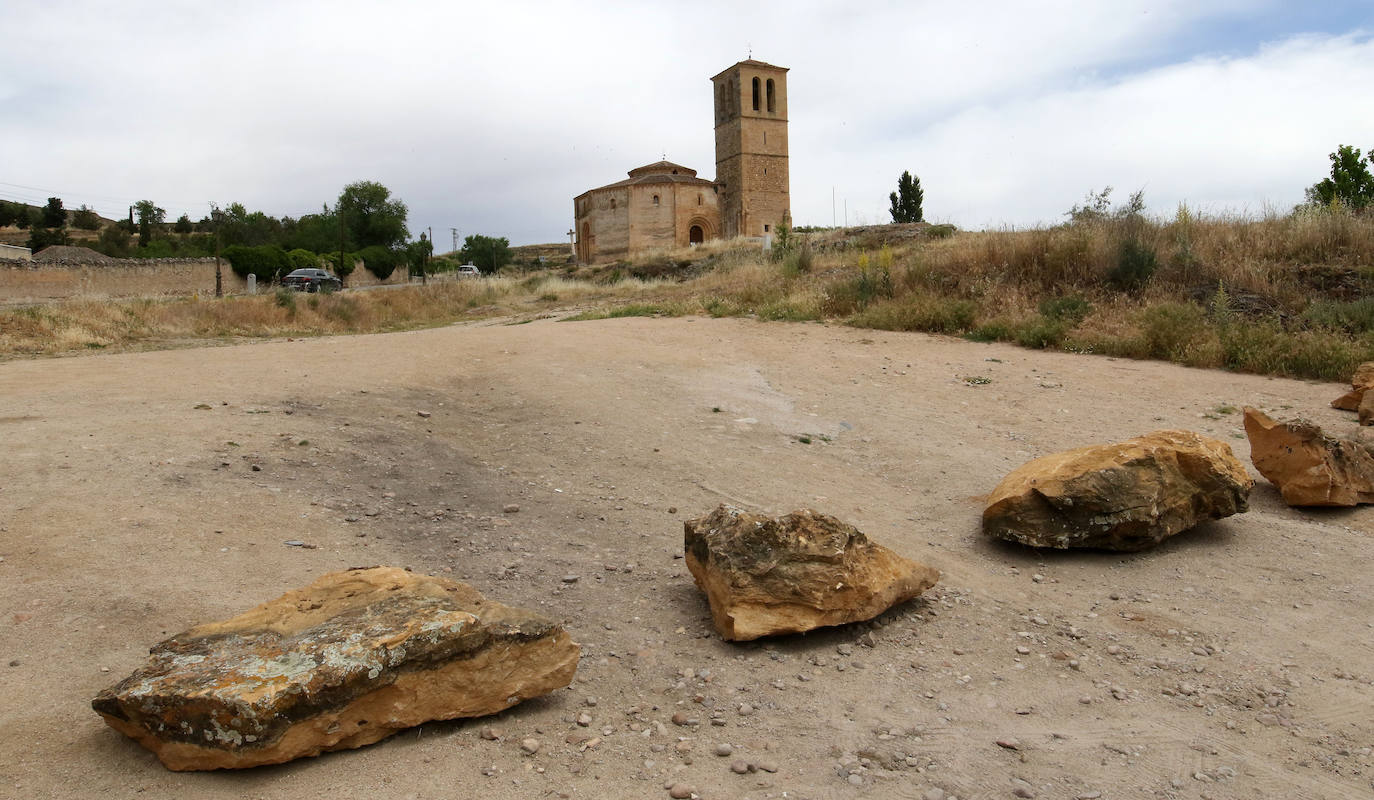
123, 278
24, 282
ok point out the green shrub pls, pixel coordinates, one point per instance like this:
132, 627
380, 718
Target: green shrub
1356, 316
302, 259
918, 312
997, 330
380, 261
286, 298
1072, 308
1041, 332
266, 261
1170, 331
1135, 264
942, 231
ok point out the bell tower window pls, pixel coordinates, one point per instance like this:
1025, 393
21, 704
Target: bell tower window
756, 94
772, 105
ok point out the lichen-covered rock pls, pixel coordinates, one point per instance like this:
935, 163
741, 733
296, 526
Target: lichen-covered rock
350, 659
1309, 467
1360, 384
765, 576
1126, 496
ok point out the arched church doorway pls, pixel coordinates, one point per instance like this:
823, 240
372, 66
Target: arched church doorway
695, 235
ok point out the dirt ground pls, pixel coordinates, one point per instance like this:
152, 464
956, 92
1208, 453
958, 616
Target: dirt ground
143, 493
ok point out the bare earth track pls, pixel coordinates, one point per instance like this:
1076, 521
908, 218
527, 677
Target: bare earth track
1234, 661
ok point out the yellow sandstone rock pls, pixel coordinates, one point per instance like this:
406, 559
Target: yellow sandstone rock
1309, 467
1125, 496
765, 576
350, 659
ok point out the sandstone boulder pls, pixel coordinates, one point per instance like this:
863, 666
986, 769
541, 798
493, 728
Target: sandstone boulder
1309, 467
1126, 496
350, 659
1360, 383
765, 576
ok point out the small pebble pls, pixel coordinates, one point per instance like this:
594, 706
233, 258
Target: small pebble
1023, 650
1113, 649
724, 749
490, 734
530, 746
511, 508
745, 709
571, 578
739, 767
672, 509
767, 766
1009, 743
681, 718
1038, 578
1022, 791
856, 780
584, 719
680, 791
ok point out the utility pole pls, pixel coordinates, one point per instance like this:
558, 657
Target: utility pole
455, 239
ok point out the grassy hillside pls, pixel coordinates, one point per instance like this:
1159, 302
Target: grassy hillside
1285, 295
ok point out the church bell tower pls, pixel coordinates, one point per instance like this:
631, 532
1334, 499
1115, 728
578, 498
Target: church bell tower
751, 148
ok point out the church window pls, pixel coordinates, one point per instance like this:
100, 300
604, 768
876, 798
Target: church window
756, 94
765, 228
613, 204
698, 199
772, 107
655, 199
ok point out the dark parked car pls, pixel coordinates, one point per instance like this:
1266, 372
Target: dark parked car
312, 280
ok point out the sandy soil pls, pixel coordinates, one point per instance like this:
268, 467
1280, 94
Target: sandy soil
142, 493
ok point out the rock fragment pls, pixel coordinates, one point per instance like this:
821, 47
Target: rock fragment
1125, 496
1309, 467
764, 576
344, 662
1360, 384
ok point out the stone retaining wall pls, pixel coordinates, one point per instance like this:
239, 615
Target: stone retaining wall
26, 282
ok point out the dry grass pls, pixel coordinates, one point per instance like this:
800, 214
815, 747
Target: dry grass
1282, 295
79, 325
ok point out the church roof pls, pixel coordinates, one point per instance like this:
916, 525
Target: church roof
750, 62
662, 168
657, 172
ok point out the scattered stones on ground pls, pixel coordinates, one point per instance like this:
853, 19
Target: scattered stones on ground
680, 791
1308, 467
346, 661
724, 749
1126, 496
765, 575
530, 746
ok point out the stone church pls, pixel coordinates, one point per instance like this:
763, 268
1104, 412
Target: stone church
665, 205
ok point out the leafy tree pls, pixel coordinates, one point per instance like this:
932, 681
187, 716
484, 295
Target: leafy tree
54, 215
488, 253
183, 224
1350, 184
86, 219
906, 201
370, 217
148, 215
40, 237
114, 241
9, 213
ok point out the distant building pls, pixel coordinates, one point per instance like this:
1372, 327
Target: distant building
665, 205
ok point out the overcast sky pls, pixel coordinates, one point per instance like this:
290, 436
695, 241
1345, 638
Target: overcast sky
490, 117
